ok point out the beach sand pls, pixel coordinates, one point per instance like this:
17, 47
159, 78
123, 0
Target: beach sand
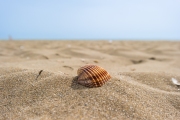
38, 80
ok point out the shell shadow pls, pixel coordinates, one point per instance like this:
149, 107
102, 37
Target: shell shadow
76, 86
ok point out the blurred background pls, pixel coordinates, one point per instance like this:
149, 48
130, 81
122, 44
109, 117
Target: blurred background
90, 19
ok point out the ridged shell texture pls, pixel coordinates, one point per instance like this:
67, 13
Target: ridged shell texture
92, 76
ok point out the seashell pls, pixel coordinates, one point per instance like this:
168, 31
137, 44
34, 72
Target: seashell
175, 82
92, 76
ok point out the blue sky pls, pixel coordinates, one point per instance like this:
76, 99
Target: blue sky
90, 19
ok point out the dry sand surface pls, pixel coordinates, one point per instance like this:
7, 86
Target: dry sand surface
38, 80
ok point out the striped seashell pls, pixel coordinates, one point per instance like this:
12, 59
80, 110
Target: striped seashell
92, 76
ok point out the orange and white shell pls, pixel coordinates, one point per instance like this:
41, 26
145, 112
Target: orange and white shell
92, 76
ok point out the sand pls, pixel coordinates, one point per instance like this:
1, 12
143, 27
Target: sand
38, 80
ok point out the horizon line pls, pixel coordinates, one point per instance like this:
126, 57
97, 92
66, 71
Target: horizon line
93, 39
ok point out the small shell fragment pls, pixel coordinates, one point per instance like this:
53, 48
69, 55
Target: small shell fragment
92, 76
175, 82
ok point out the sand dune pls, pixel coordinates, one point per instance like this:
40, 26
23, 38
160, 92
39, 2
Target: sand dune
38, 80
